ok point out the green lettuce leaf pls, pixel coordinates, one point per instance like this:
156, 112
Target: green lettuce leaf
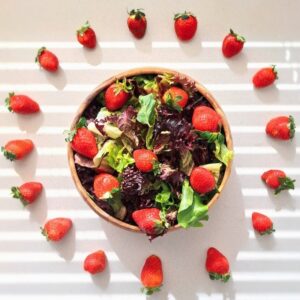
221, 152
163, 197
117, 159
191, 210
146, 114
186, 162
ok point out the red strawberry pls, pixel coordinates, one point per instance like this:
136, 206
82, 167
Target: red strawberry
176, 97
95, 262
104, 184
206, 119
117, 95
82, 140
86, 36
202, 180
232, 44
152, 275
21, 104
262, 224
145, 160
277, 180
47, 60
185, 25
149, 221
27, 192
137, 23
217, 265
17, 149
55, 229
282, 128
265, 77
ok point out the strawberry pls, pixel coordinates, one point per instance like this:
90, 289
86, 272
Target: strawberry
137, 23
265, 77
27, 192
17, 149
55, 229
202, 180
176, 97
145, 160
82, 140
104, 184
86, 36
185, 25
117, 95
217, 265
262, 224
21, 104
206, 119
282, 128
47, 60
149, 221
277, 180
232, 44
152, 275
95, 262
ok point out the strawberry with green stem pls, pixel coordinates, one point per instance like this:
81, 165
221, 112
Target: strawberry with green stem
137, 23
176, 98
185, 25
56, 229
282, 128
262, 223
86, 36
47, 60
17, 149
233, 44
28, 192
265, 77
21, 104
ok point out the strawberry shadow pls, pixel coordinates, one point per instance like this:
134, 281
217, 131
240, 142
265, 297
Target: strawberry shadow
30, 123
144, 44
93, 56
266, 242
284, 200
269, 94
287, 149
183, 252
192, 47
38, 209
58, 79
102, 279
237, 63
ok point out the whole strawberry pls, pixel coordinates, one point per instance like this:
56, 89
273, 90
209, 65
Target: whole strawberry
137, 23
104, 184
21, 104
47, 60
117, 95
265, 77
232, 44
202, 180
217, 265
95, 262
176, 97
282, 128
185, 25
277, 180
17, 149
27, 192
145, 160
262, 224
149, 221
82, 140
152, 275
86, 36
206, 119
55, 229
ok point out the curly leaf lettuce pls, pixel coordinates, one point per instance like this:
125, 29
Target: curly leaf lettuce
191, 210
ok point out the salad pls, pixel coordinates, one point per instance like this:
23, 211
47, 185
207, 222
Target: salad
150, 150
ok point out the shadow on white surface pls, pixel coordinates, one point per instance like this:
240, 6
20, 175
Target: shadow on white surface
93, 56
31, 123
190, 48
269, 94
57, 79
102, 280
286, 149
144, 44
237, 63
38, 209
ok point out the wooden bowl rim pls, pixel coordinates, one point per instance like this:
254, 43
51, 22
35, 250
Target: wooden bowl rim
105, 84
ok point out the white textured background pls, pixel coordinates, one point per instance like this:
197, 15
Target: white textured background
262, 267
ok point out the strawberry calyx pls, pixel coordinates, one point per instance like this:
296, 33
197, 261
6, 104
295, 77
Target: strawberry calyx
8, 154
275, 71
238, 37
216, 276
268, 231
156, 167
173, 102
83, 28
15, 191
7, 100
136, 13
286, 183
150, 290
39, 53
292, 127
44, 233
183, 16
71, 133
122, 86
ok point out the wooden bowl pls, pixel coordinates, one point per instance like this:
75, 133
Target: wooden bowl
104, 85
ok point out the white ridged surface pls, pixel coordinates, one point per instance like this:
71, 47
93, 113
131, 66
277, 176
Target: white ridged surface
265, 268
